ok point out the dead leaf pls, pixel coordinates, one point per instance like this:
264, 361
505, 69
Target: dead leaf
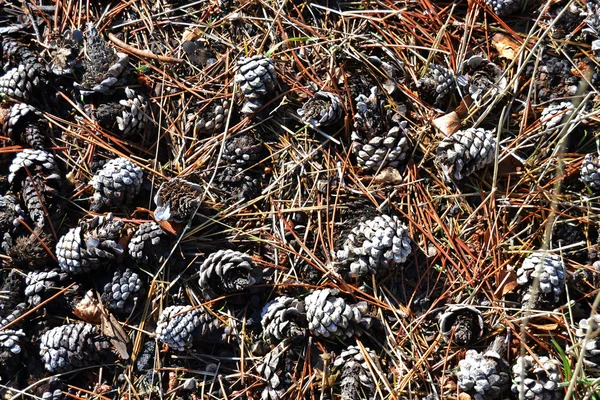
88, 309
171, 227
507, 282
545, 327
112, 329
505, 46
448, 124
388, 176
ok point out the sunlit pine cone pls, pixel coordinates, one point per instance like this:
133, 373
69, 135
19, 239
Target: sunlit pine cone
462, 324
548, 271
590, 171
11, 350
505, 8
117, 183
379, 138
330, 316
148, 243
591, 350
276, 368
64, 52
208, 119
120, 295
90, 246
283, 318
466, 152
356, 379
536, 378
437, 84
33, 162
177, 200
257, 79
73, 346
27, 125
482, 79
9, 316
243, 151
225, 271
43, 284
322, 109
554, 114
103, 65
25, 77
133, 116
375, 246
484, 376
177, 325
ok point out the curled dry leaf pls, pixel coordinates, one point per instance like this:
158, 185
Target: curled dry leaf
505, 46
88, 309
448, 124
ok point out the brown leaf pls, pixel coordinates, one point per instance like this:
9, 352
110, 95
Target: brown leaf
88, 309
505, 46
506, 281
544, 327
448, 124
112, 329
388, 176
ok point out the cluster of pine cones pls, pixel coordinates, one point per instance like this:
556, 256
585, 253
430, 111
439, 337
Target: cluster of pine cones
280, 200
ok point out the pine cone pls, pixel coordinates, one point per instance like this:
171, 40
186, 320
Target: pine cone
147, 245
117, 183
134, 113
437, 85
236, 184
505, 8
11, 292
379, 138
121, 294
28, 251
283, 318
90, 246
484, 376
357, 381
41, 199
591, 351
72, 346
21, 81
592, 20
103, 65
549, 270
226, 271
554, 114
590, 171
29, 124
257, 79
466, 152
462, 323
177, 200
64, 52
375, 246
243, 151
177, 325
41, 284
37, 162
207, 120
322, 109
12, 315
552, 79
330, 316
274, 369
536, 381
482, 79
10, 213
11, 342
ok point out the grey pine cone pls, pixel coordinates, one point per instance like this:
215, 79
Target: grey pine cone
103, 65
591, 350
10, 341
322, 109
375, 246
117, 183
484, 376
273, 369
20, 82
134, 114
40, 284
208, 119
330, 316
243, 151
549, 271
437, 84
462, 323
121, 294
225, 271
147, 243
554, 114
72, 346
64, 52
177, 325
356, 379
37, 162
176, 200
482, 79
233, 184
505, 8
40, 197
89, 246
283, 318
379, 139
466, 152
590, 171
257, 79
26, 124
536, 381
